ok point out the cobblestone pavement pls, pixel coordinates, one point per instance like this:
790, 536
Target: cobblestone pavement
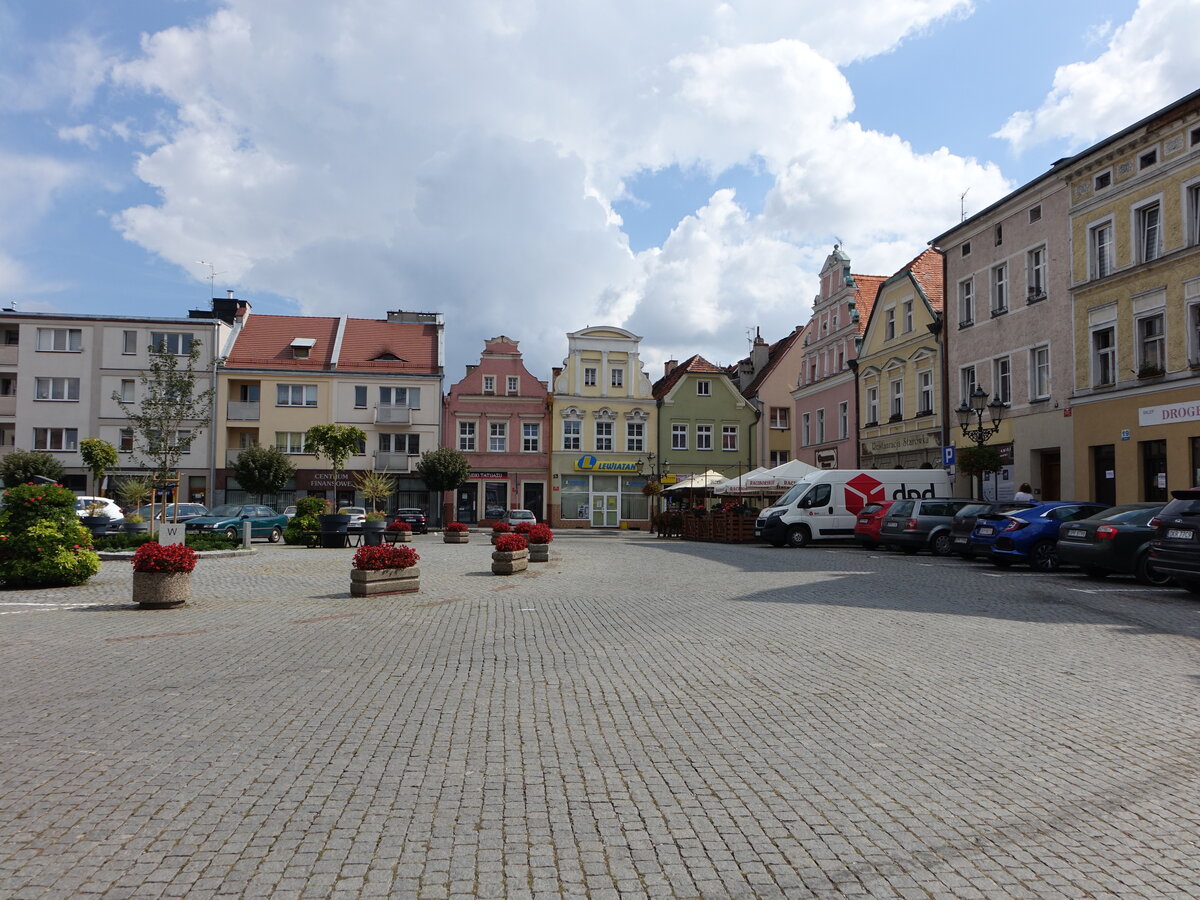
635, 718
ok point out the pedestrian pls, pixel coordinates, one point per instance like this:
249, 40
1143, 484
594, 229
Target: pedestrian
1024, 492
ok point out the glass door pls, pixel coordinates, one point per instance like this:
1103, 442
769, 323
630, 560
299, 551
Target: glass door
606, 510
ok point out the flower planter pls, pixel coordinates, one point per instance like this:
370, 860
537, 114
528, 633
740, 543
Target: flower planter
372, 532
333, 529
509, 562
455, 537
136, 527
161, 590
400, 537
375, 582
539, 553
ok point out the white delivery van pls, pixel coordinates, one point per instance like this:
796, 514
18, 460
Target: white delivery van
823, 505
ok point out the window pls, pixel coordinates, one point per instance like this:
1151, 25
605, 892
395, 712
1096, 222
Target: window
908, 316
1000, 289
1194, 334
889, 323
59, 340
127, 390
514, 384
872, 406
531, 437
289, 441
604, 435
843, 420
778, 458
679, 436
966, 302
56, 439
779, 417
466, 436
635, 437
1148, 229
125, 440
406, 444
617, 378
704, 437
296, 395
729, 437
1104, 357
1193, 214
1039, 373
1151, 352
1103, 180
703, 389
248, 393
183, 440
1195, 136
820, 429
1100, 246
589, 376
967, 383
360, 396
924, 393
406, 397
56, 389
1035, 214
805, 429
897, 404
1146, 160
1035, 269
12, 337
497, 437
302, 348
1002, 379
129, 343
998, 234
966, 248
572, 434
177, 343
489, 384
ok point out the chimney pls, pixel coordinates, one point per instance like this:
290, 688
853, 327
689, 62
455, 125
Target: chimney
670, 364
760, 353
229, 294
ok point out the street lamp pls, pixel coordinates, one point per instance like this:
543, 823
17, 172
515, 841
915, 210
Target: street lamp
980, 433
658, 469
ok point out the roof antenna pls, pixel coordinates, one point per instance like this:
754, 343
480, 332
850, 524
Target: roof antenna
212, 277
962, 205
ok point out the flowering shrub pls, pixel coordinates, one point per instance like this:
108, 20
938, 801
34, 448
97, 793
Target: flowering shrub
154, 557
510, 543
385, 557
457, 528
540, 534
501, 528
42, 543
398, 525
523, 527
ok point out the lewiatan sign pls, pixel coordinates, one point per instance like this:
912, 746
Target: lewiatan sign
592, 464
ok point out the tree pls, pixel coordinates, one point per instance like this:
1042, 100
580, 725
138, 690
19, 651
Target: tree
171, 413
978, 462
133, 491
99, 456
22, 466
263, 470
376, 487
444, 469
336, 443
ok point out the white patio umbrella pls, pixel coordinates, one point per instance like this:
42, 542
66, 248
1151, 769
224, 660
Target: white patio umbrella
697, 482
781, 478
738, 485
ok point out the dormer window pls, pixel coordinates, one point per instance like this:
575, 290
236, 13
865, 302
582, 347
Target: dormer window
302, 347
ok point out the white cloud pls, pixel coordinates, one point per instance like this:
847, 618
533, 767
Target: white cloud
1149, 62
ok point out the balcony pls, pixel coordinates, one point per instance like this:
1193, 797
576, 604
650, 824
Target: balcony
392, 462
242, 411
8, 405
392, 415
8, 354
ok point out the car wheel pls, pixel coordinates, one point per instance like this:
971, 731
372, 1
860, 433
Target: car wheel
1044, 556
798, 536
1093, 572
232, 534
941, 544
275, 535
1145, 572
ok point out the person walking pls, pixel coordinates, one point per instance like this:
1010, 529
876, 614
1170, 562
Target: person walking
1024, 492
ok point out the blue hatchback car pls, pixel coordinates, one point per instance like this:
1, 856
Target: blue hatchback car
1029, 535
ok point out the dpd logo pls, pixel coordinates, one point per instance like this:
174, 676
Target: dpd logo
861, 490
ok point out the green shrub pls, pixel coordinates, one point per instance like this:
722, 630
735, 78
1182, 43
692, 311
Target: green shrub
119, 541
42, 543
312, 506
297, 529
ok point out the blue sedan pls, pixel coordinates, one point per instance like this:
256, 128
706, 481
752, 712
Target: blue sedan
1029, 535
228, 519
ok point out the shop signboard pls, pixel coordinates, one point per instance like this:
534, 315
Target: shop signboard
591, 463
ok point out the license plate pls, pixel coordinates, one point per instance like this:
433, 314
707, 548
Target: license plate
1179, 534
864, 521
1077, 532
960, 540
757, 533
892, 526
986, 529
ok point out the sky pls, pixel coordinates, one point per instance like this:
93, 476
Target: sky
530, 168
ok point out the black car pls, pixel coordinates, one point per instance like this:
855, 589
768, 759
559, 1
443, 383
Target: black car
921, 524
964, 523
1115, 541
1175, 549
414, 517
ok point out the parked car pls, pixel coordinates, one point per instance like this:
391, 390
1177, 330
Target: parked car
515, 517
1030, 535
357, 514
290, 512
107, 508
186, 512
1175, 549
921, 524
964, 524
414, 517
866, 524
1115, 541
264, 522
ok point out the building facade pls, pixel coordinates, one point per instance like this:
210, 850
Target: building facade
767, 378
825, 399
604, 418
498, 416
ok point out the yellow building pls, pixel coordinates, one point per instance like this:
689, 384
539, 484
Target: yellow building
899, 366
604, 421
1135, 288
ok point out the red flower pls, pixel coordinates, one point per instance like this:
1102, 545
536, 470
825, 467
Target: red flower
456, 528
510, 543
154, 557
501, 528
385, 557
540, 534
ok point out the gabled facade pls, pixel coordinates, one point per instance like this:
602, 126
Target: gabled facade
1135, 291
58, 374
767, 378
899, 370
604, 418
703, 420
1009, 332
498, 416
284, 374
826, 404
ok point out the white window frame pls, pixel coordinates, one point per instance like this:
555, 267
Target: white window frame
1002, 378
1039, 372
908, 316
305, 393
1100, 252
1193, 340
925, 392
572, 434
403, 397
1035, 272
1191, 206
896, 400
1097, 356
968, 380
176, 343
531, 437
635, 437
679, 436
889, 323
999, 289
819, 426
1147, 228
604, 436
129, 343
56, 440
703, 388
704, 437
128, 390
780, 418
843, 420
966, 302
497, 437
512, 385
489, 384
873, 405
467, 436
805, 429
361, 392
60, 340
290, 442
57, 390
125, 440
589, 376
1158, 357
729, 437
616, 378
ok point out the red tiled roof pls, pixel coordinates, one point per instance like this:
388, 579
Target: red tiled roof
927, 270
265, 342
368, 345
694, 365
864, 297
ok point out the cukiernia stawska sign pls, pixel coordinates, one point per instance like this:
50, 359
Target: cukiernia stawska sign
592, 464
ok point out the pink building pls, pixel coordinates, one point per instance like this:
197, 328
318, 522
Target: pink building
498, 416
825, 428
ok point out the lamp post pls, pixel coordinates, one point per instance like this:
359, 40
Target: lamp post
658, 468
980, 433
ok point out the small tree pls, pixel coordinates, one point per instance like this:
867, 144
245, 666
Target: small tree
171, 413
133, 491
263, 470
979, 462
22, 466
99, 456
376, 487
444, 469
336, 443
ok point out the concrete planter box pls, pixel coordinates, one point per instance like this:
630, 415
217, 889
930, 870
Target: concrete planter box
539, 553
400, 537
374, 582
509, 562
161, 590
455, 537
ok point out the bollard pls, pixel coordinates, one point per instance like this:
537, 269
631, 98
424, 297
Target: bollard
246, 535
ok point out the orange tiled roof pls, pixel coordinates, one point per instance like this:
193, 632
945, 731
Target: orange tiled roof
864, 297
368, 345
927, 270
693, 365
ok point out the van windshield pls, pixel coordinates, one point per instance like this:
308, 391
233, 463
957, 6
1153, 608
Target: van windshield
794, 494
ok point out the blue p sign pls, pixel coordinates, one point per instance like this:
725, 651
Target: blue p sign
948, 456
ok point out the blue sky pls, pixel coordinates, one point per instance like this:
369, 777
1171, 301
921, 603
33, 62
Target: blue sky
680, 168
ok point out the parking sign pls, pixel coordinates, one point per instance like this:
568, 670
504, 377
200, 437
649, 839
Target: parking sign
948, 456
